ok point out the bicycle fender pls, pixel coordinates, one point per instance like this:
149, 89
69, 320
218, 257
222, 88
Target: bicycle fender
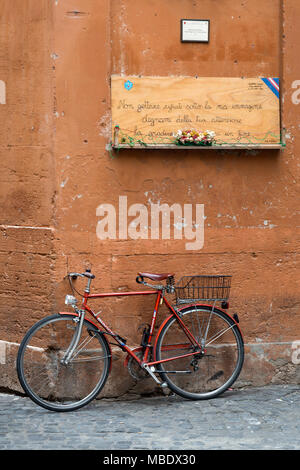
76, 315
95, 325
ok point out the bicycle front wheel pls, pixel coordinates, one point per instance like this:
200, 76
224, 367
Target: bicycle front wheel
212, 370
42, 373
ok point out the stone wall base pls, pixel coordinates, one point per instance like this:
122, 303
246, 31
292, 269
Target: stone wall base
265, 363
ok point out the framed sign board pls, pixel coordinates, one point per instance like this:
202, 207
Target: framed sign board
195, 30
238, 110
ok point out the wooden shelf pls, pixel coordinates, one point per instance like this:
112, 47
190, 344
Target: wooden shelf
199, 147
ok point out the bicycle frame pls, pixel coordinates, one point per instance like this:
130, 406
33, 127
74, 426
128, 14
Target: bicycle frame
160, 298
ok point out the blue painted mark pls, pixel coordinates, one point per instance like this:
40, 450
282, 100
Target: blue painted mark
128, 85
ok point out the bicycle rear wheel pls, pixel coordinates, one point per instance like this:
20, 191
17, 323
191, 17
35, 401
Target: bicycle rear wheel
209, 373
43, 376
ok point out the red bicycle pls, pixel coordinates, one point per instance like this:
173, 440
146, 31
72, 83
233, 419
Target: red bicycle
64, 359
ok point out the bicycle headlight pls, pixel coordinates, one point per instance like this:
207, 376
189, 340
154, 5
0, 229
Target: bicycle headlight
70, 300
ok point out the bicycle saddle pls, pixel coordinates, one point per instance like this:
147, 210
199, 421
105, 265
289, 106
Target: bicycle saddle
156, 277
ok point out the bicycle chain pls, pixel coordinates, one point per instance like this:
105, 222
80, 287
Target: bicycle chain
135, 370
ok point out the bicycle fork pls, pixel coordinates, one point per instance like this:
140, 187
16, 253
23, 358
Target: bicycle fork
75, 340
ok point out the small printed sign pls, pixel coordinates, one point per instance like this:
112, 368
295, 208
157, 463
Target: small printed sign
195, 30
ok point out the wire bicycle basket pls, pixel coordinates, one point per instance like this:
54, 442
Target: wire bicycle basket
194, 288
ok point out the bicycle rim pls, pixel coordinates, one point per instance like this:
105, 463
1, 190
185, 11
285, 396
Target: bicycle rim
46, 380
204, 375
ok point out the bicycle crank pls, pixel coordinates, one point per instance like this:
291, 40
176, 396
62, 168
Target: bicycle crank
151, 371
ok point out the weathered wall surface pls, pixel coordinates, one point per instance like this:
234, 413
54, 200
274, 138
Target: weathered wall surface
56, 59
27, 173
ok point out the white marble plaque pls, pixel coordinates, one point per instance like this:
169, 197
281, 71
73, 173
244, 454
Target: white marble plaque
194, 30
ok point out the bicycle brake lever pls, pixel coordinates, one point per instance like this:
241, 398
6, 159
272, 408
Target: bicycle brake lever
74, 275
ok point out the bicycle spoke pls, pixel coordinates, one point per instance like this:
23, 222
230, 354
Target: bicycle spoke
80, 347
218, 335
89, 359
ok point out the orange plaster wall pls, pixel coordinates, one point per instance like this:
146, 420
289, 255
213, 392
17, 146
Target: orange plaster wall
58, 170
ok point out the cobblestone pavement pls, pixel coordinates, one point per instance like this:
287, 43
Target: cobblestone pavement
252, 418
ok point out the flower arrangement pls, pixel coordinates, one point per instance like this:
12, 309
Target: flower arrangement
192, 137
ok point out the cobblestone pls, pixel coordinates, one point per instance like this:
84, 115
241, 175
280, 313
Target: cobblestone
252, 418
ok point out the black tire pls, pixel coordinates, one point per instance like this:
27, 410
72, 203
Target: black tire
52, 385
211, 373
